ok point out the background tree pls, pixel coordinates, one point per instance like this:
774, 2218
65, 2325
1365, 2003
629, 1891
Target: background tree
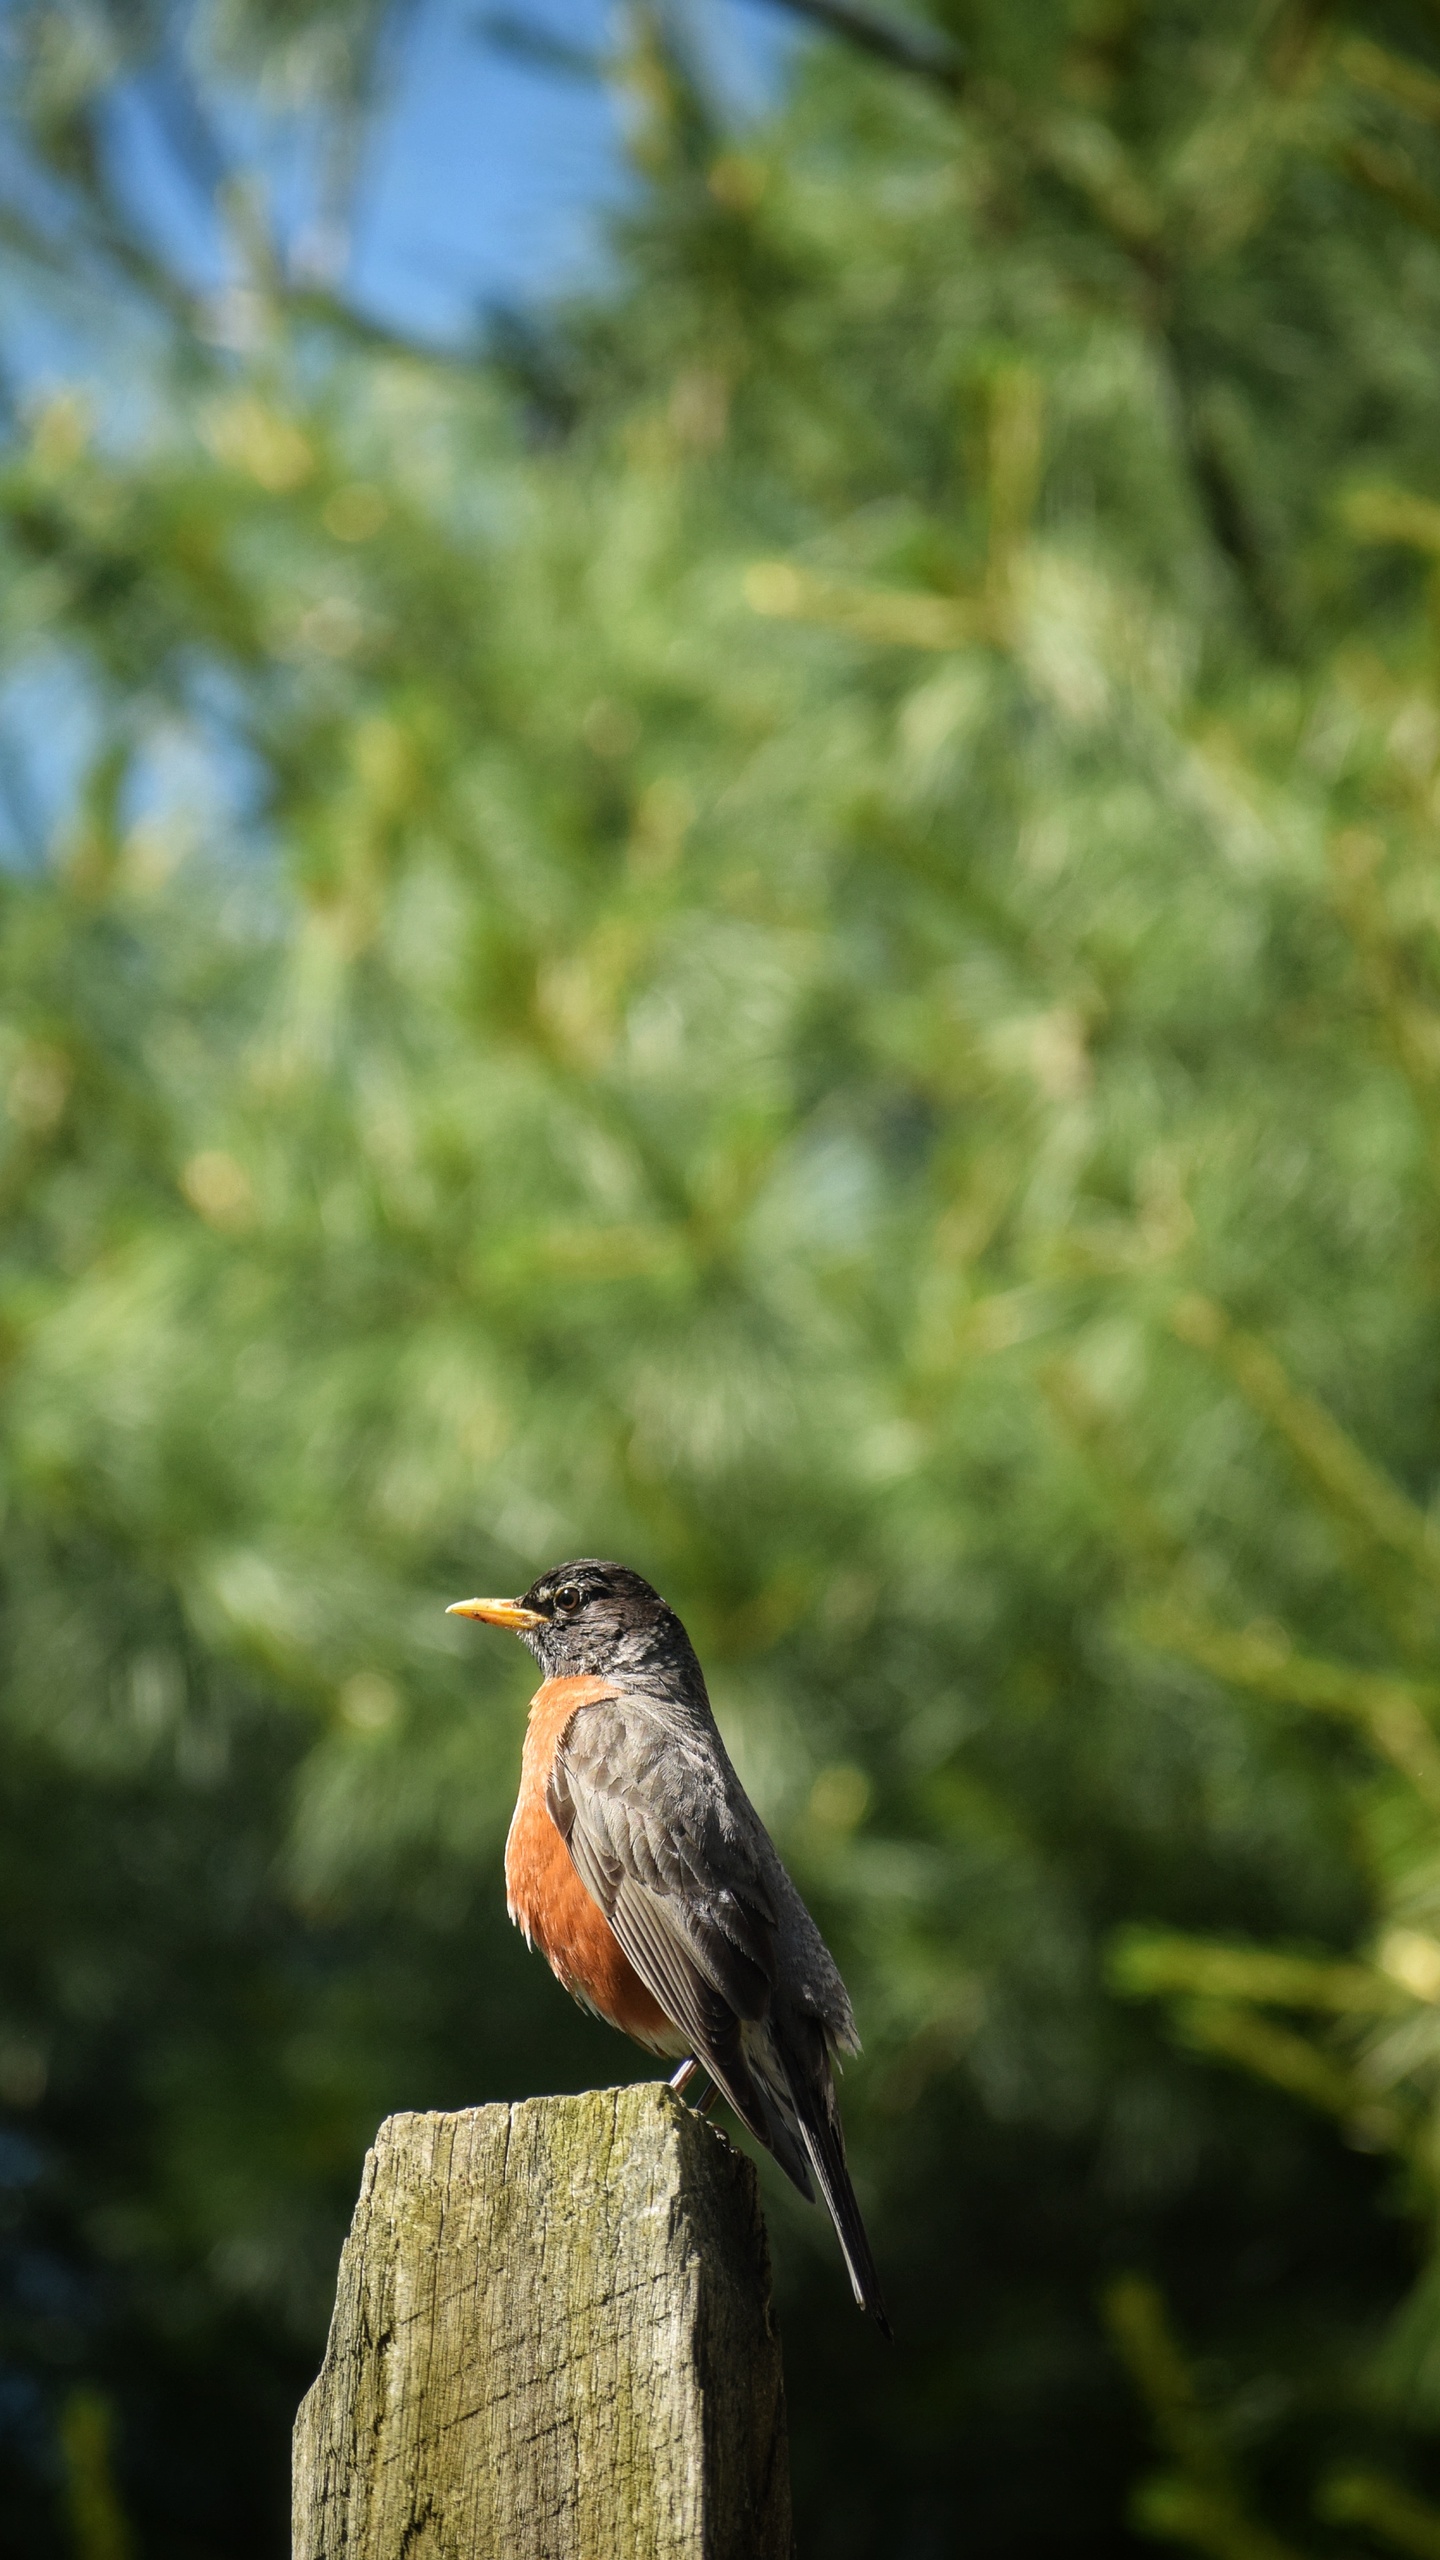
782, 924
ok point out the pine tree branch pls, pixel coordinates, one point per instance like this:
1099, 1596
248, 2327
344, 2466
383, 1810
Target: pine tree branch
1393, 2514
1388, 174
1147, 1964
1359, 1491
921, 51
1393, 1714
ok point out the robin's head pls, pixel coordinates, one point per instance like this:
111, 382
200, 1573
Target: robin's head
593, 1620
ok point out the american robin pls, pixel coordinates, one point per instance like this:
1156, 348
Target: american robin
639, 1867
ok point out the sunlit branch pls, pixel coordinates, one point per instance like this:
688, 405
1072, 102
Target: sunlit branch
919, 50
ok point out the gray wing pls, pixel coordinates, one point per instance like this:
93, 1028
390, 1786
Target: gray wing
658, 1842
663, 1837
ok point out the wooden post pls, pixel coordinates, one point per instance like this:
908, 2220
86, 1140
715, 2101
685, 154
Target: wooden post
552, 2341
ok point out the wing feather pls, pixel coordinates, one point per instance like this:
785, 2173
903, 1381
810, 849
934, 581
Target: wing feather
664, 1840
646, 1824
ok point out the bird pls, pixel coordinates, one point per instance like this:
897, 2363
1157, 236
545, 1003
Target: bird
638, 1866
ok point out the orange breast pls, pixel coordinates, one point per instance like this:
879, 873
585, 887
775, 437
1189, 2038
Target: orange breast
546, 1897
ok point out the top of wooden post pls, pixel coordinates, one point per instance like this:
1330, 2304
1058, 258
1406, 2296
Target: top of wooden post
552, 2341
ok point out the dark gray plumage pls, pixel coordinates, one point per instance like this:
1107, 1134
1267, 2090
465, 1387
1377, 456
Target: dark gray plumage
665, 1840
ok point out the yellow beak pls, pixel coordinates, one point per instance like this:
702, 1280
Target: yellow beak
497, 1613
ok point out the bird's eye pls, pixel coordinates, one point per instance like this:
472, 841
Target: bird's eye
567, 1597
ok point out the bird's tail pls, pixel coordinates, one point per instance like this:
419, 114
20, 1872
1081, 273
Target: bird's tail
803, 2096
820, 2132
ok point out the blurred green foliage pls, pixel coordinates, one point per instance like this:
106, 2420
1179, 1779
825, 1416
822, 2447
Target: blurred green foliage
785, 925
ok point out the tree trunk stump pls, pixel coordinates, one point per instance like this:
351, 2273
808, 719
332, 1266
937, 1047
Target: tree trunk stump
552, 2341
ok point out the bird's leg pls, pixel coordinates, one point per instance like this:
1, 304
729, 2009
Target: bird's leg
681, 2080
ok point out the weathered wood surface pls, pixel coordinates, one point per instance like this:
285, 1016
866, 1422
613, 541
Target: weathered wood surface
552, 2341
